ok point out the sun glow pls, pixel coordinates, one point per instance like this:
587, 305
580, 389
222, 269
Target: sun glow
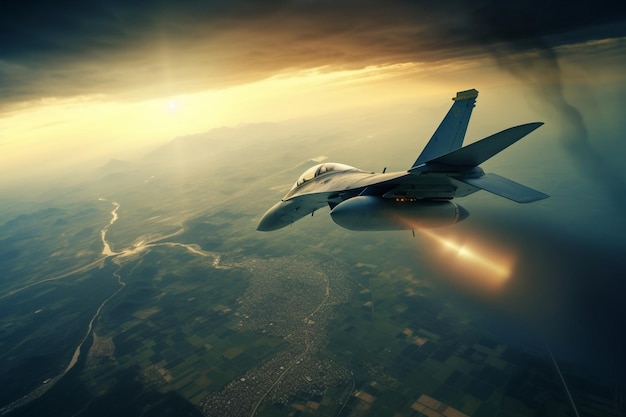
57, 135
173, 105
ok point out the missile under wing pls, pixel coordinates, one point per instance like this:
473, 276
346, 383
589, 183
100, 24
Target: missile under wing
421, 196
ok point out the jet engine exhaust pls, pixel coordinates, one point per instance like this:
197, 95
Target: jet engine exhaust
473, 265
373, 213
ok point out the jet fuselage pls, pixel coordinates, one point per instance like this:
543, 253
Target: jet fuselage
418, 197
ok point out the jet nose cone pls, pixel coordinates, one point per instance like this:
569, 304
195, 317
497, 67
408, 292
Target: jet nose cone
463, 214
272, 219
266, 224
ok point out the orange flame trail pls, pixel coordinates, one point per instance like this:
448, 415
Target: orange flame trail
483, 267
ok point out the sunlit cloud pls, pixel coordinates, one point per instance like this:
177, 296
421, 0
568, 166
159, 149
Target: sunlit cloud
143, 51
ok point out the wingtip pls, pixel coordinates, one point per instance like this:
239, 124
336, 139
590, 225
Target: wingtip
467, 94
532, 126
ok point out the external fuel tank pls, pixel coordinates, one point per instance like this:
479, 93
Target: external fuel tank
377, 213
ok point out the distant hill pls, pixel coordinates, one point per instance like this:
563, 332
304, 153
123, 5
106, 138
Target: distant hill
219, 143
113, 166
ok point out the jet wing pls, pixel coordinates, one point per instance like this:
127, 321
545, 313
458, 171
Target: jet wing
504, 187
478, 152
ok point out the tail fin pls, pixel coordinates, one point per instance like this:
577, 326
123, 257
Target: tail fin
464, 159
451, 132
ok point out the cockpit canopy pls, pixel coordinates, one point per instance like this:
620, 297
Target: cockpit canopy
320, 169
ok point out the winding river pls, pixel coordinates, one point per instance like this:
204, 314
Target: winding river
118, 258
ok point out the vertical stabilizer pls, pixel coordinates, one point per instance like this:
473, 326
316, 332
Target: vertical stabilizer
451, 132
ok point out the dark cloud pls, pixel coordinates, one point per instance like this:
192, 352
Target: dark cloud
70, 48
532, 58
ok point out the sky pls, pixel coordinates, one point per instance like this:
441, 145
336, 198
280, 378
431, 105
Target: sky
81, 82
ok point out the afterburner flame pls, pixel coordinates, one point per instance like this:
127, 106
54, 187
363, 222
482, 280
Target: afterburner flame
475, 263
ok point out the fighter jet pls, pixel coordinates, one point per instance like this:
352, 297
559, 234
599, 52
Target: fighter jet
418, 197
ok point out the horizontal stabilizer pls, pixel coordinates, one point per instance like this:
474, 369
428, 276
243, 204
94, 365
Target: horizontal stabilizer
505, 188
478, 152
